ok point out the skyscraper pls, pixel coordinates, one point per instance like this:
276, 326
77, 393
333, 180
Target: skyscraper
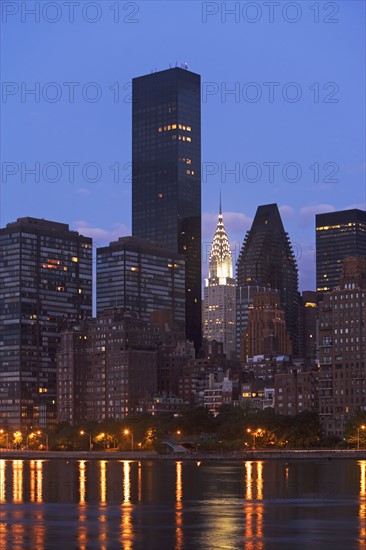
219, 304
266, 330
338, 235
45, 280
267, 259
166, 173
107, 368
142, 277
342, 348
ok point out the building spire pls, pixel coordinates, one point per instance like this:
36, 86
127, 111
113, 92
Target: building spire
220, 262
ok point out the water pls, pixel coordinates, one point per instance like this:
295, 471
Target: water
179, 505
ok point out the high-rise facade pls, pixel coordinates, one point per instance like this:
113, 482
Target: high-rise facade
45, 280
219, 296
106, 368
342, 349
244, 300
309, 327
266, 330
267, 260
338, 235
142, 277
166, 174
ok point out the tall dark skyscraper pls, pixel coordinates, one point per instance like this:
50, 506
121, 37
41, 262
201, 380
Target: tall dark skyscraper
166, 173
142, 277
267, 260
338, 236
45, 279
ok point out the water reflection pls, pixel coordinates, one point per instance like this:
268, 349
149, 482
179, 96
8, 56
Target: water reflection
2, 499
82, 529
362, 507
126, 525
36, 480
129, 504
103, 499
253, 509
178, 506
2, 481
18, 480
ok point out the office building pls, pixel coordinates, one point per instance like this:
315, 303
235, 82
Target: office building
309, 328
267, 259
107, 368
266, 332
219, 296
244, 300
45, 280
140, 276
166, 174
342, 349
338, 235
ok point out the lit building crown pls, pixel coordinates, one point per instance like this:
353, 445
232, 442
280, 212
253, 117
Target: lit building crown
220, 263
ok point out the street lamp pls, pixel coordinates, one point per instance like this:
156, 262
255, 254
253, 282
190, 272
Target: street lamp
90, 439
3, 432
254, 434
102, 436
126, 432
46, 437
29, 436
363, 427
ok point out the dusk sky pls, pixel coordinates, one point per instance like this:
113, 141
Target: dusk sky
312, 114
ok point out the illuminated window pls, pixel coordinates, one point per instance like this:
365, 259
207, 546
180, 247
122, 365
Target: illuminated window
174, 126
189, 129
160, 195
134, 268
75, 259
189, 139
160, 129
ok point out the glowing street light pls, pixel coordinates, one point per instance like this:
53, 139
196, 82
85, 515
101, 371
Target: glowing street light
46, 437
3, 432
127, 432
255, 434
30, 436
90, 439
363, 427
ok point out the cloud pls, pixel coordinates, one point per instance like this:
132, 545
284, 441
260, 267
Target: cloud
359, 205
100, 236
307, 213
286, 211
83, 191
235, 223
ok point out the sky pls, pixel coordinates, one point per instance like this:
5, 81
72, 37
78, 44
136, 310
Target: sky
283, 114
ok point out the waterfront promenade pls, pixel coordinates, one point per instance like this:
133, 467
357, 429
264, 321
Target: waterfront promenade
258, 454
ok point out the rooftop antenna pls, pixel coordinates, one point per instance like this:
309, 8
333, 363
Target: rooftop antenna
220, 211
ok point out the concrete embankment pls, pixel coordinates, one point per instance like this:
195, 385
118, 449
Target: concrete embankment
301, 454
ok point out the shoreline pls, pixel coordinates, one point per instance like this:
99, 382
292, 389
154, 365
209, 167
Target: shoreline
301, 454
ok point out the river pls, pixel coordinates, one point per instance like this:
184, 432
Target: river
163, 505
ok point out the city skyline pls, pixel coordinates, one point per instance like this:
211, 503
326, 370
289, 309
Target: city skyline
310, 132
